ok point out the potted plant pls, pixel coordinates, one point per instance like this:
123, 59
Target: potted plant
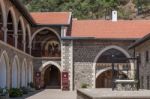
4, 93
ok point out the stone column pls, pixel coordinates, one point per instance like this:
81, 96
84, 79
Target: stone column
67, 59
16, 40
4, 29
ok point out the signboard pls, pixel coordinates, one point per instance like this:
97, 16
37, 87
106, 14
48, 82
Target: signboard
65, 80
38, 80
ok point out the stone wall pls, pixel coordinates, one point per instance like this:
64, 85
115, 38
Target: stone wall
67, 59
144, 66
84, 54
12, 53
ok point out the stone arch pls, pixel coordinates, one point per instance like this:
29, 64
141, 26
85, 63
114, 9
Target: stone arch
21, 33
50, 64
3, 20
15, 73
102, 51
105, 69
24, 73
44, 28
12, 27
4, 70
30, 74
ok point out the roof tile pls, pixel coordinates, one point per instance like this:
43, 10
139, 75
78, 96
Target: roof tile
46, 18
108, 29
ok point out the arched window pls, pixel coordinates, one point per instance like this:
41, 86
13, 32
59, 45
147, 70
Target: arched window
10, 32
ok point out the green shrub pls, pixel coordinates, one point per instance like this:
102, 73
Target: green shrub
15, 92
84, 85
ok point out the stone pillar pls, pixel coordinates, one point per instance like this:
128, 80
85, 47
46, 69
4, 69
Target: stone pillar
67, 59
4, 29
16, 40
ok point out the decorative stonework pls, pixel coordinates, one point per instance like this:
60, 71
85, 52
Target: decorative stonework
67, 58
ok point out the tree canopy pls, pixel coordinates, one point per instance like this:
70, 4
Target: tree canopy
89, 9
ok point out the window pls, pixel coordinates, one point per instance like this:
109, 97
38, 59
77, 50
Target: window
147, 82
147, 56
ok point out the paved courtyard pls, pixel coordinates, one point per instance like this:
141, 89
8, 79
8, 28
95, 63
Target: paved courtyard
51, 94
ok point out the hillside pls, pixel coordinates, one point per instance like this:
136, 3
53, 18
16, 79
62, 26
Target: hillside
94, 9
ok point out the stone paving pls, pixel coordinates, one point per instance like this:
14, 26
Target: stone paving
51, 94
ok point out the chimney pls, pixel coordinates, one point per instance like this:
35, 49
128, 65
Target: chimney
114, 16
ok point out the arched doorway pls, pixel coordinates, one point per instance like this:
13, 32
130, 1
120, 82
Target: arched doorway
52, 77
53, 70
3, 72
106, 57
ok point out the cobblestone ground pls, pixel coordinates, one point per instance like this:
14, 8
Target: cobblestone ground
51, 94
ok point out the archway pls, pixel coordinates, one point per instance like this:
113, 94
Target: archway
11, 28
52, 77
109, 55
46, 43
30, 73
51, 74
3, 72
23, 74
15, 73
21, 35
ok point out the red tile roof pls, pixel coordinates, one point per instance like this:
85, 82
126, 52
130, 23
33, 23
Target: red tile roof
108, 29
46, 18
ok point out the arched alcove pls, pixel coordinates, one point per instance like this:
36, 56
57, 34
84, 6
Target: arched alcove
27, 38
20, 41
3, 72
11, 29
109, 55
46, 43
24, 74
15, 73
